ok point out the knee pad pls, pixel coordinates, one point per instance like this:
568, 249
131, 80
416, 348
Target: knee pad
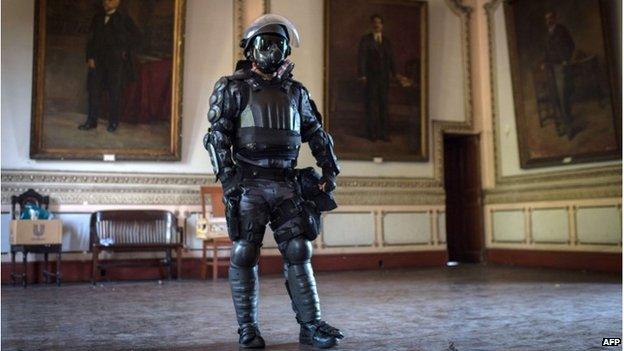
244, 254
298, 250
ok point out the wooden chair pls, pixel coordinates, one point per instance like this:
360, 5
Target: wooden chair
216, 238
31, 196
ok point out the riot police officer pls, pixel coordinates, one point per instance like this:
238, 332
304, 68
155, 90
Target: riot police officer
259, 117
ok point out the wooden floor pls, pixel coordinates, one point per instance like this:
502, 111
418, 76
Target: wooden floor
455, 309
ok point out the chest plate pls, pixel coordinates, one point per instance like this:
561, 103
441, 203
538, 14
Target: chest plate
270, 108
269, 120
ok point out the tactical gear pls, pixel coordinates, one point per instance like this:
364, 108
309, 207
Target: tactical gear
302, 287
258, 123
284, 211
230, 179
262, 123
319, 334
231, 216
250, 337
276, 174
261, 24
309, 181
269, 51
311, 220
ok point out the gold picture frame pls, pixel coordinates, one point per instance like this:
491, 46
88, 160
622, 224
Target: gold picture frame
166, 146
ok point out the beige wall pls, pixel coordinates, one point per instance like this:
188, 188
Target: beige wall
399, 205
409, 191
566, 207
208, 55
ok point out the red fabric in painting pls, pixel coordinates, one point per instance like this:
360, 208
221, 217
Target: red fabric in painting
148, 98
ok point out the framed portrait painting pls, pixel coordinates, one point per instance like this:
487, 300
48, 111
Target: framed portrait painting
107, 79
376, 78
565, 93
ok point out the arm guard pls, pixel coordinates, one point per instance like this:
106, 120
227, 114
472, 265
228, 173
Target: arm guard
320, 142
218, 140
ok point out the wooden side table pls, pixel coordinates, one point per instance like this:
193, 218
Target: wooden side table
46, 250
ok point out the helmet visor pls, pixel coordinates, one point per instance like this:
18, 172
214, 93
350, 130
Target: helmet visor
265, 41
272, 19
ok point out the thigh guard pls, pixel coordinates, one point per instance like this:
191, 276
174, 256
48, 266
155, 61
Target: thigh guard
252, 215
294, 217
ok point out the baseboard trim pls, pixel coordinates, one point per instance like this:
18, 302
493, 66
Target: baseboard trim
590, 261
80, 271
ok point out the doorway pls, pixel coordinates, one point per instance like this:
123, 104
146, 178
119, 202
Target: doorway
464, 209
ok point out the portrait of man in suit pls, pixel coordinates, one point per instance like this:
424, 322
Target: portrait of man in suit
106, 79
376, 79
563, 81
376, 68
113, 35
557, 57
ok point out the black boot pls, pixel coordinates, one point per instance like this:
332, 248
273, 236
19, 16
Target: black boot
301, 287
319, 334
244, 286
250, 337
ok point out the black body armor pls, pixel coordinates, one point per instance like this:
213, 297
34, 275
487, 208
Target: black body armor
264, 123
259, 117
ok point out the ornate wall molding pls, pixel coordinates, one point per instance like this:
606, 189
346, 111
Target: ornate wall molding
546, 192
590, 182
175, 189
467, 126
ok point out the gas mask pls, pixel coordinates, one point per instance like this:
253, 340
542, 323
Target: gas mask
268, 52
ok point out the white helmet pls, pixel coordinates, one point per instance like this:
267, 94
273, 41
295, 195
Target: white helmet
271, 23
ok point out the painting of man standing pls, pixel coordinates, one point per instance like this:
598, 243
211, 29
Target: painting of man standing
557, 57
113, 36
376, 69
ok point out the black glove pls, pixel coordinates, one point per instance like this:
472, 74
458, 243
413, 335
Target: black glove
329, 179
230, 180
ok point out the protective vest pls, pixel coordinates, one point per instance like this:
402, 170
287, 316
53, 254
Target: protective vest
269, 127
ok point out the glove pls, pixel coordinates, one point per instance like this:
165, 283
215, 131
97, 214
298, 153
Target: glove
230, 180
329, 179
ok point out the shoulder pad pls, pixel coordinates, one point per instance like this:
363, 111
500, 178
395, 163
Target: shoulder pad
240, 75
297, 84
216, 99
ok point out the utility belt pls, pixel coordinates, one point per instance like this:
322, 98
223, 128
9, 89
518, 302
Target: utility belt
308, 206
277, 174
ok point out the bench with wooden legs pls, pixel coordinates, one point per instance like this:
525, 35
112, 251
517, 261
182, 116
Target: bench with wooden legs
135, 231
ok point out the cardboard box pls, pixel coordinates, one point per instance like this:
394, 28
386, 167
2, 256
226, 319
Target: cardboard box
36, 232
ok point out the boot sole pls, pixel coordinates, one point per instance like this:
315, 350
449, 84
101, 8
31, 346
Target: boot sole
317, 345
251, 346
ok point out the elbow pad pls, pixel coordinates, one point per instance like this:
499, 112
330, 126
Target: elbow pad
322, 146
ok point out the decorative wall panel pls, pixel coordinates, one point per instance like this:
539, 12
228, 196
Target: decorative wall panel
599, 225
349, 229
508, 226
407, 228
550, 225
